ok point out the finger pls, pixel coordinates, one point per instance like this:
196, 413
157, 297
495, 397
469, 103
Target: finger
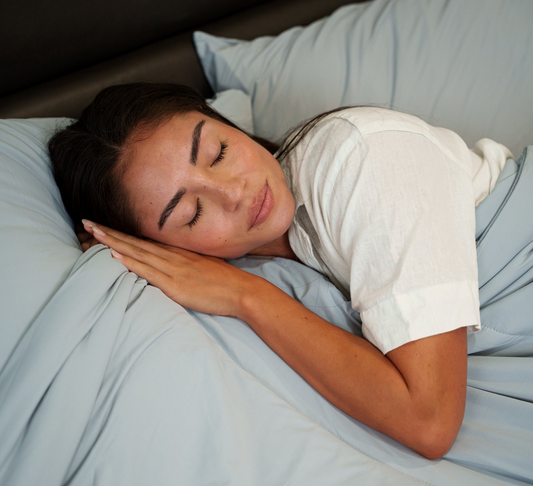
152, 275
83, 236
89, 244
90, 227
140, 254
100, 231
155, 247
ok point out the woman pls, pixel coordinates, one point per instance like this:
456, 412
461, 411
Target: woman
379, 201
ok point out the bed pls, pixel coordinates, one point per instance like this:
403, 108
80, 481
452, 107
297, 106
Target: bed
105, 381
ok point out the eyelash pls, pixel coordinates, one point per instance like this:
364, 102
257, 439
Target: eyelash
199, 208
223, 147
194, 220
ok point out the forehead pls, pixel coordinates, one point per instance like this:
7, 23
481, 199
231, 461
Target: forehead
176, 130
157, 157
169, 140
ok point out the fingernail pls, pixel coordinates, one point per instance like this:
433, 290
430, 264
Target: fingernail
86, 222
98, 231
116, 254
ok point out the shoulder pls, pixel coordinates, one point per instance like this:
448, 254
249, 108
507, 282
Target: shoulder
357, 123
405, 134
346, 134
368, 120
317, 156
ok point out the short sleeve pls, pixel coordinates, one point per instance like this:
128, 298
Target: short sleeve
391, 219
408, 236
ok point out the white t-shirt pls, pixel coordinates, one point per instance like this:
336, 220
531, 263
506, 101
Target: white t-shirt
385, 207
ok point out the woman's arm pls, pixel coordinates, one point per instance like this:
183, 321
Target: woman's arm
415, 394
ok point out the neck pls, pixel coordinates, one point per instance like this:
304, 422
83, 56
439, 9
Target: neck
279, 247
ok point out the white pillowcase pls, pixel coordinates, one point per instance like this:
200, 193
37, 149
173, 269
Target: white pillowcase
464, 65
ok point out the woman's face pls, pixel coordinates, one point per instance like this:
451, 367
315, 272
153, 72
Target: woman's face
199, 184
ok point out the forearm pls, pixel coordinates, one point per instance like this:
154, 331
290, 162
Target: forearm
347, 370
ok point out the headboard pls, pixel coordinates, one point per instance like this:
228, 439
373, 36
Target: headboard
55, 60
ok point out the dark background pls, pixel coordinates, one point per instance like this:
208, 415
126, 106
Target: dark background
44, 39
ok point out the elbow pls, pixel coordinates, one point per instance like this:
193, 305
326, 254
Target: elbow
437, 440
437, 427
435, 450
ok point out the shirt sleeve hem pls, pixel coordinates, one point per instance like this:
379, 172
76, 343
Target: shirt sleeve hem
422, 313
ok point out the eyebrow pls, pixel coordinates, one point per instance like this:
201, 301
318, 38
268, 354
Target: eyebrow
197, 132
196, 141
170, 207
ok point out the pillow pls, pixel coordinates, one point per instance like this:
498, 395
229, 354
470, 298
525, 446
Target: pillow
37, 239
466, 66
39, 246
236, 106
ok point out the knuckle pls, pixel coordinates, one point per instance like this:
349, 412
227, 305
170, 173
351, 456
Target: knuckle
131, 239
141, 253
147, 273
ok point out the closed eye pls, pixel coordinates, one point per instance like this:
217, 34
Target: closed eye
223, 147
199, 208
194, 220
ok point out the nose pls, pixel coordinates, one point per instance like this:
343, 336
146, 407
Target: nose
229, 192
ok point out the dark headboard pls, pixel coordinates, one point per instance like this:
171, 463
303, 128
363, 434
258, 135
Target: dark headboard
56, 55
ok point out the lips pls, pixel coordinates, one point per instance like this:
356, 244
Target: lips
261, 207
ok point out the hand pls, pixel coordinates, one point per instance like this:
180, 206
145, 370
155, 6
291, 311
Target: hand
202, 283
86, 239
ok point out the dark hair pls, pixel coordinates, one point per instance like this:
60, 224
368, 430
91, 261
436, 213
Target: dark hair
296, 135
86, 155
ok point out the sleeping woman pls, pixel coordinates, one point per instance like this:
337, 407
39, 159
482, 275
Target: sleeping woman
379, 201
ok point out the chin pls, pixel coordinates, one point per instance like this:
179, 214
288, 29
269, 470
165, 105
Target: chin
227, 255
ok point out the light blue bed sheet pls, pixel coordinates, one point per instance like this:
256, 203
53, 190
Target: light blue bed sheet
114, 384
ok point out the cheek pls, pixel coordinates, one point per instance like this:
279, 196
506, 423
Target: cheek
207, 237
215, 235
247, 154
